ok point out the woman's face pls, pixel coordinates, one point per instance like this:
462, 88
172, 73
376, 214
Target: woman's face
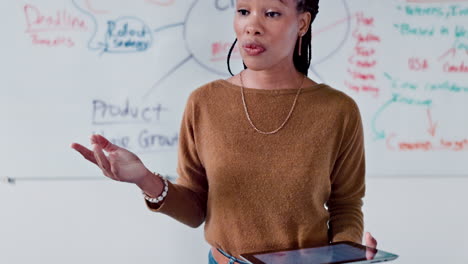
267, 31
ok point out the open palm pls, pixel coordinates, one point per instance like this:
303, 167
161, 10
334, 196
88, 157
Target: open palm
119, 164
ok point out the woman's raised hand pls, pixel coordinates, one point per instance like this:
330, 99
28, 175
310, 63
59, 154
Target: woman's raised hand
120, 164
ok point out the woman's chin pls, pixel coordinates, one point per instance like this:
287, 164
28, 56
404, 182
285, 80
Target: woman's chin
261, 64
256, 65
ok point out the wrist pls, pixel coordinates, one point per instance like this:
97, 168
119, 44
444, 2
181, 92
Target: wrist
151, 184
156, 200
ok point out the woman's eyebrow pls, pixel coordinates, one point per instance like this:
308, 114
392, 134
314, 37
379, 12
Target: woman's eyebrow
281, 1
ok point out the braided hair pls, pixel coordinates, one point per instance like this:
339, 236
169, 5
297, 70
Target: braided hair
302, 63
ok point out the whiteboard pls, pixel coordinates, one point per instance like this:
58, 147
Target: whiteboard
125, 69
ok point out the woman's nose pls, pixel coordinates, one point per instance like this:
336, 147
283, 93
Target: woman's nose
254, 26
252, 30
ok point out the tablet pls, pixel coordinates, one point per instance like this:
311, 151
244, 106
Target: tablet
334, 253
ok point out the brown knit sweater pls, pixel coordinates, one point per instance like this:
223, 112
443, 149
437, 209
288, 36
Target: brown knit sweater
300, 187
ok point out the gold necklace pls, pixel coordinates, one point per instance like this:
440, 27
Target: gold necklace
287, 118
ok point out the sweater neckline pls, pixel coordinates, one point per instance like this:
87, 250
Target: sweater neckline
270, 91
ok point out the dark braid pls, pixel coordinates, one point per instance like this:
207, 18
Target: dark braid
302, 63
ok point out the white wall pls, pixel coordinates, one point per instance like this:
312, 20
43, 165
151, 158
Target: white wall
421, 219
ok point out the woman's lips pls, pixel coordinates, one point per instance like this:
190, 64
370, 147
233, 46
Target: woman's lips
253, 49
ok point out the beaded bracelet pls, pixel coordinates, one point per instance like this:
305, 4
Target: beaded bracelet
160, 197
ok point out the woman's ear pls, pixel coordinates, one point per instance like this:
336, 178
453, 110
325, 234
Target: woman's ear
304, 21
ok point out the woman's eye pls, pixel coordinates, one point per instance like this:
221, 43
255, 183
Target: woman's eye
243, 12
272, 14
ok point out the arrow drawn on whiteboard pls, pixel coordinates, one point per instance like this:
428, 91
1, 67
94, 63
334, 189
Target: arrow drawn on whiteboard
380, 134
432, 126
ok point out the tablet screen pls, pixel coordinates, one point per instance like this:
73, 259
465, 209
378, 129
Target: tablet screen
332, 254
